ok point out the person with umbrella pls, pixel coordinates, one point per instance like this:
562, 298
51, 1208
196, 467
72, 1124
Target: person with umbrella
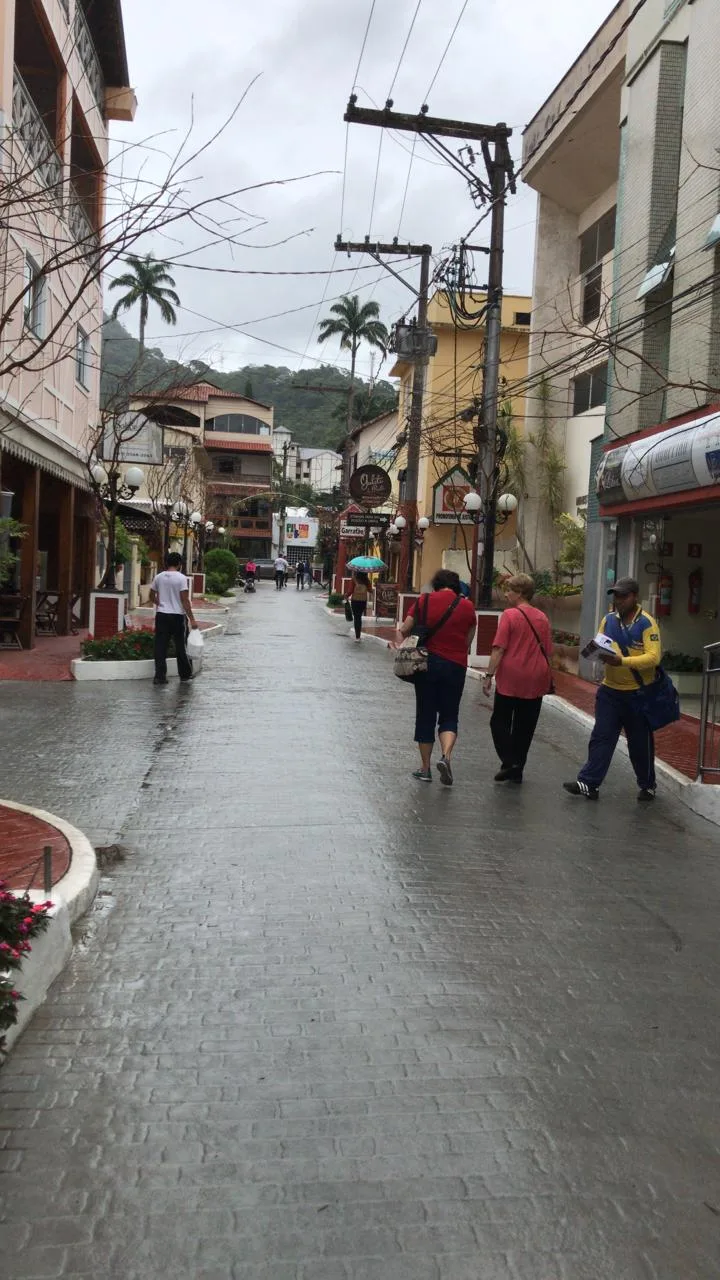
359, 593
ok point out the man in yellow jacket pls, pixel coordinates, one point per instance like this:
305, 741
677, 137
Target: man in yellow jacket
635, 656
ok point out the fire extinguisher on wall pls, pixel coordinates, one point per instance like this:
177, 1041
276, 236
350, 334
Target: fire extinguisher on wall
665, 593
694, 591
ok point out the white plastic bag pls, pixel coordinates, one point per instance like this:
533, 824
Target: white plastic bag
195, 644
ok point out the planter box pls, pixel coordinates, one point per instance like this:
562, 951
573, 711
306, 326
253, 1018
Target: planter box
687, 683
144, 669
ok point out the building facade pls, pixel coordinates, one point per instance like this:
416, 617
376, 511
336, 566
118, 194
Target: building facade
236, 438
452, 397
63, 79
653, 471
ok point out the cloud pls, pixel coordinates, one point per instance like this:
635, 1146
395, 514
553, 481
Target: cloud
184, 57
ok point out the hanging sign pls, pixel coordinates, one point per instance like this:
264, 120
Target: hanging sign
448, 496
683, 457
370, 485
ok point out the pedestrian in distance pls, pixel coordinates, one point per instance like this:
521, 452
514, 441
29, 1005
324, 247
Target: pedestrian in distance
633, 660
447, 622
300, 575
281, 568
308, 574
520, 665
170, 593
357, 597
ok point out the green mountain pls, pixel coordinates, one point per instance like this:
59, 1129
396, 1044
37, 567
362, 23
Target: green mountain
315, 418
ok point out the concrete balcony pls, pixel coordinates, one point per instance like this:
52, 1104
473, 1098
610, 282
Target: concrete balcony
30, 128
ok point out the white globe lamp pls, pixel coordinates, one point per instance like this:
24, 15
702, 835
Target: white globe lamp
99, 474
209, 526
134, 477
400, 522
423, 524
472, 502
196, 518
507, 503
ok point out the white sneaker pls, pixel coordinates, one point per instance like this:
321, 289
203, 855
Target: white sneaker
358, 639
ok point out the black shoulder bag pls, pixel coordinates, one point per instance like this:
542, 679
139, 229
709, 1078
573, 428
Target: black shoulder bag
659, 699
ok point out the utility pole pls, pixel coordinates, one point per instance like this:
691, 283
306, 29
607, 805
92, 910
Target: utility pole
500, 179
497, 166
420, 346
283, 503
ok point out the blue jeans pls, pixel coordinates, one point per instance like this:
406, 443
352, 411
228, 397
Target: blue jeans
437, 698
616, 710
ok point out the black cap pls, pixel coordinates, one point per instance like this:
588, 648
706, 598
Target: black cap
625, 587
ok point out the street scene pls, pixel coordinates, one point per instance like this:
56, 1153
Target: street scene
359, 640
324, 1023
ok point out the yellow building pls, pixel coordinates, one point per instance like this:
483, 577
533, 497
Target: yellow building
453, 384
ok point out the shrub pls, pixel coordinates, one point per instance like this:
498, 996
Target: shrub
567, 638
681, 662
215, 584
335, 599
221, 566
20, 920
126, 646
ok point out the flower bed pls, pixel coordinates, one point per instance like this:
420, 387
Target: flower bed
134, 645
20, 921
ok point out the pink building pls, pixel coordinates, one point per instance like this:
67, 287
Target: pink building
63, 78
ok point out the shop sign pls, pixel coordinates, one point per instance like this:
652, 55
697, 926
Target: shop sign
352, 531
386, 595
683, 457
448, 496
133, 438
369, 519
301, 532
370, 485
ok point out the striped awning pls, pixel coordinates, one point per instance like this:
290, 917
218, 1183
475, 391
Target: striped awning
24, 454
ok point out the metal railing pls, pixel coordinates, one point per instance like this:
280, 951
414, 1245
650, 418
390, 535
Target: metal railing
88, 55
80, 225
33, 132
709, 747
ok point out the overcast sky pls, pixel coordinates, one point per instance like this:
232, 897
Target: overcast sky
187, 55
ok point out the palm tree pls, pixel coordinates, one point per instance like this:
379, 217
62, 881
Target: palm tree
145, 283
354, 324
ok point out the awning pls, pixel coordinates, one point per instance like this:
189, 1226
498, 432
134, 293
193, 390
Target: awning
18, 449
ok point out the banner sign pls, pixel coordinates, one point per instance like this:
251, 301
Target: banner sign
301, 532
448, 496
684, 457
131, 437
386, 597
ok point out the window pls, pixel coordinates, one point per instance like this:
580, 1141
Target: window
34, 300
592, 295
662, 267
590, 389
595, 244
522, 317
177, 451
713, 235
225, 466
238, 423
598, 241
82, 358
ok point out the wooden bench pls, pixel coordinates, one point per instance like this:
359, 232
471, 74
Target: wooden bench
12, 610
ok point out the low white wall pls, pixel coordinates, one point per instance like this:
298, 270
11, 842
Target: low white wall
50, 953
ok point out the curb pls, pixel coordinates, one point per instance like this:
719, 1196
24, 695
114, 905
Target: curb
78, 886
71, 896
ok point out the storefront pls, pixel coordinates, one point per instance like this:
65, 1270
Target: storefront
659, 495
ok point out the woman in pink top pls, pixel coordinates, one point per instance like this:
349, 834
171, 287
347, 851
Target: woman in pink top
520, 663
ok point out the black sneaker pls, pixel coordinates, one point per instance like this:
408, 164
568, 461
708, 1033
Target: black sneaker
160, 680
422, 775
510, 774
581, 789
446, 773
646, 795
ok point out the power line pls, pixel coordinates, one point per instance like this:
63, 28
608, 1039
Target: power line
453, 33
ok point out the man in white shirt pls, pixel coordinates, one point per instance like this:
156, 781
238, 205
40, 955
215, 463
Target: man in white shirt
281, 568
170, 594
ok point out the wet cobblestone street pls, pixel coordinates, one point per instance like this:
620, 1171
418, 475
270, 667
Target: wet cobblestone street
330, 1025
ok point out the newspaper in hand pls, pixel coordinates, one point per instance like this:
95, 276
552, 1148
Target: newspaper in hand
601, 646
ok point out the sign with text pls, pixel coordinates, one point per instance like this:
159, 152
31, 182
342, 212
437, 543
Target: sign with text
369, 519
682, 457
352, 531
131, 437
386, 597
370, 485
448, 496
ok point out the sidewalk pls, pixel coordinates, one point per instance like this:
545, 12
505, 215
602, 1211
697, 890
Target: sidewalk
339, 1026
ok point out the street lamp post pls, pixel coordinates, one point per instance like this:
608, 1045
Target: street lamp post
114, 489
498, 512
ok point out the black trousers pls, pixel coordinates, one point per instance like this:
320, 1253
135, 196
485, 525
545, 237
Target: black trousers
171, 626
512, 724
279, 579
358, 612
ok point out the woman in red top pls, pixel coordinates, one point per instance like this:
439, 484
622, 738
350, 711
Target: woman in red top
521, 658
439, 689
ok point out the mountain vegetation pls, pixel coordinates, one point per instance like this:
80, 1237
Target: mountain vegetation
315, 418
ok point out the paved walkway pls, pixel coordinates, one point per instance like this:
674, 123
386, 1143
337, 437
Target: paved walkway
337, 1025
